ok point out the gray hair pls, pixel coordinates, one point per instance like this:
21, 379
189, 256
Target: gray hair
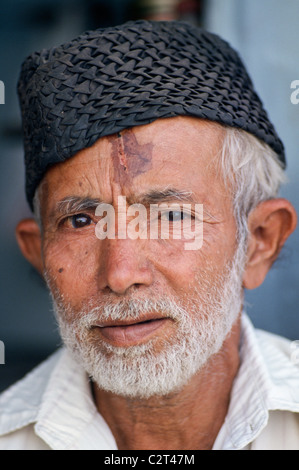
250, 168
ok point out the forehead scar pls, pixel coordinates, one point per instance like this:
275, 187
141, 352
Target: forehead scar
121, 152
130, 159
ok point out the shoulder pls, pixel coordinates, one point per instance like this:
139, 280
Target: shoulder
281, 432
19, 404
23, 439
281, 359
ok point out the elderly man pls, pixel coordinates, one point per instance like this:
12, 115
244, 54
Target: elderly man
158, 353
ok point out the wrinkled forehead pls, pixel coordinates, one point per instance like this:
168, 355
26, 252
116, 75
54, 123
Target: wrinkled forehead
176, 152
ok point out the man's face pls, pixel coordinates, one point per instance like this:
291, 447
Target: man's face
132, 301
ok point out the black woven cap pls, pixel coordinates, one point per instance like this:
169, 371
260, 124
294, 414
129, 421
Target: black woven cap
111, 79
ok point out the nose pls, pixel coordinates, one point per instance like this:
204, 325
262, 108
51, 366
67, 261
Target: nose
122, 265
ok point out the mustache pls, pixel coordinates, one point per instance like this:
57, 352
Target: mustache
130, 310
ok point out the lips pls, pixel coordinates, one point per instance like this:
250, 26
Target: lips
124, 333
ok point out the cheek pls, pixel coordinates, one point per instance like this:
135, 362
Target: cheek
71, 265
201, 268
175, 266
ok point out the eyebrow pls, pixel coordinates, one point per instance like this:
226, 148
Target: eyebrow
164, 195
74, 204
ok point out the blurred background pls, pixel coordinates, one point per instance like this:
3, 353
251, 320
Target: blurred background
266, 34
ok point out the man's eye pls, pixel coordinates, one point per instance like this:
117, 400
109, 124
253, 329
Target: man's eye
80, 221
174, 216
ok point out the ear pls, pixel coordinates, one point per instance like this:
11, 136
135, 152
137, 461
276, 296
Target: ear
30, 242
270, 224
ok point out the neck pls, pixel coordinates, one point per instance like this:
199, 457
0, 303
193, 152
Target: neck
187, 420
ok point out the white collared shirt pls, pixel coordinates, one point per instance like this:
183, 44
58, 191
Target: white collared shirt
53, 408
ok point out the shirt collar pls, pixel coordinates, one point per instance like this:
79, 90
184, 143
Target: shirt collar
56, 397
68, 418
266, 381
19, 404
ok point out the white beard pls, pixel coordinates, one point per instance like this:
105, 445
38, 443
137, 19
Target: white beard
201, 327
